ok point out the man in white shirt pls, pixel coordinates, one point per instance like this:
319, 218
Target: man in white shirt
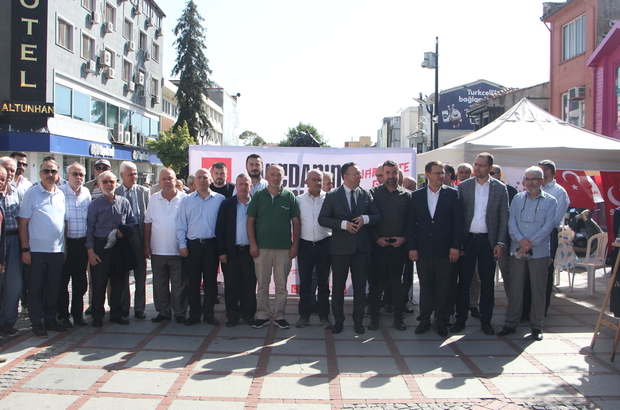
20, 181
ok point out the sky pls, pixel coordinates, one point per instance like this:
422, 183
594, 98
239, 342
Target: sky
344, 65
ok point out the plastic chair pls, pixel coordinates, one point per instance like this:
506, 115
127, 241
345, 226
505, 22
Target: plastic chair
564, 258
593, 261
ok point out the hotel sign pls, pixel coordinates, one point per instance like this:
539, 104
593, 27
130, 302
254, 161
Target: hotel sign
26, 108
98, 150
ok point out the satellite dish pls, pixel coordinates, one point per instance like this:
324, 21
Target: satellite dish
431, 99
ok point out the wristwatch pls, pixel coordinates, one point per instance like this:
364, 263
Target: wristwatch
25, 249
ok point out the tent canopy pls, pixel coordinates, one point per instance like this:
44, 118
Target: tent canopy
526, 134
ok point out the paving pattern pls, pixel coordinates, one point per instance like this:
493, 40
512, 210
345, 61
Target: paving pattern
171, 366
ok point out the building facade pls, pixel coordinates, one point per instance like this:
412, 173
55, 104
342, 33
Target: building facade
85, 81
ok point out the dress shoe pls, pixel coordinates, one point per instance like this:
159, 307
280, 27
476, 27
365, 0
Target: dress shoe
232, 322
422, 327
474, 312
120, 321
359, 328
212, 321
79, 321
159, 318
192, 321
537, 335
140, 315
39, 331
56, 327
97, 323
126, 313
337, 328
88, 311
457, 327
399, 325
65, 322
374, 324
181, 319
505, 331
487, 329
442, 330
407, 310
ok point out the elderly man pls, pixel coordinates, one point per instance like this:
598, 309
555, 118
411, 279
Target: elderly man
20, 181
138, 197
270, 215
233, 248
77, 199
109, 216
197, 242
219, 172
328, 181
12, 280
532, 218
313, 252
349, 211
464, 171
160, 245
191, 184
100, 166
484, 203
42, 233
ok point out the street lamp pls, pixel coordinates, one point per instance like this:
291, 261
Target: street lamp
431, 61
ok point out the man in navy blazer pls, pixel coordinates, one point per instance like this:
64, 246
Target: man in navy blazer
484, 202
349, 211
434, 235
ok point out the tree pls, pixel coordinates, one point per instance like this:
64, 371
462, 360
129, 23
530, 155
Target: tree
193, 67
251, 138
172, 148
291, 135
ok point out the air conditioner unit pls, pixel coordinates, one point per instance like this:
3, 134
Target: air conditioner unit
109, 73
156, 99
134, 139
108, 27
131, 46
133, 130
137, 9
149, 22
147, 56
118, 132
126, 137
95, 18
140, 139
90, 66
158, 33
105, 59
140, 79
577, 93
131, 86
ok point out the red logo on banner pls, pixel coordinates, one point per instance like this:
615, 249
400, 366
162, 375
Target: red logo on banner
295, 289
207, 162
581, 189
611, 193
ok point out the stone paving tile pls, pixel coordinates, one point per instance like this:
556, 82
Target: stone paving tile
310, 387
139, 382
210, 385
504, 365
375, 387
62, 378
135, 326
227, 363
607, 405
187, 344
107, 403
488, 348
595, 385
297, 365
159, 360
115, 340
297, 346
425, 348
240, 331
432, 365
235, 345
292, 406
529, 386
575, 363
368, 366
201, 329
180, 404
46, 401
361, 348
547, 346
92, 357
452, 388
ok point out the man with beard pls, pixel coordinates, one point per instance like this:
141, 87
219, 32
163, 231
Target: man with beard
219, 172
254, 166
20, 181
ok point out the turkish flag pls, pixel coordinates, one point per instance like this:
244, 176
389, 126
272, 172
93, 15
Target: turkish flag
611, 193
582, 190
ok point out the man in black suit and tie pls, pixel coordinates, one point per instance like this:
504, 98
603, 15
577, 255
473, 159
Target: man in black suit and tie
484, 201
349, 211
434, 235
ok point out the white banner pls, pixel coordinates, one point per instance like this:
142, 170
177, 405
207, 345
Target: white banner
297, 161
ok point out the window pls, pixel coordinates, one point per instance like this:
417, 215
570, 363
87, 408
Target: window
97, 111
111, 115
110, 14
154, 87
62, 100
573, 110
143, 42
128, 30
155, 51
154, 129
64, 34
88, 47
81, 107
125, 118
574, 38
88, 5
126, 70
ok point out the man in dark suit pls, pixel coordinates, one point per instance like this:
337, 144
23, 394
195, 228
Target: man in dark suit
349, 211
484, 202
138, 197
434, 235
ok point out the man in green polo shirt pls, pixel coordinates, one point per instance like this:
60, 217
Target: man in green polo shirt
270, 214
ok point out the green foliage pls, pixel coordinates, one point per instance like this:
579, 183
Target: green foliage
193, 67
172, 148
251, 138
291, 134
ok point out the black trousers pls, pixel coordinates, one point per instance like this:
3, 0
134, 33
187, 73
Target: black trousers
477, 248
388, 264
43, 284
309, 256
100, 274
74, 270
240, 285
202, 264
437, 279
359, 262
527, 292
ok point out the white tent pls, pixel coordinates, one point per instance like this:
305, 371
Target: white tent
526, 134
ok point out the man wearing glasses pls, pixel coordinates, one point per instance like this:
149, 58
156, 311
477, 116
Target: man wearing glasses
42, 234
484, 202
20, 181
532, 218
100, 166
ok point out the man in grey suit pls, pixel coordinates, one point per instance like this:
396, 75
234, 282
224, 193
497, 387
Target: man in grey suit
484, 202
138, 197
349, 211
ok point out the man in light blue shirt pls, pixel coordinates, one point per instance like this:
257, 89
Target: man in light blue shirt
196, 238
42, 233
532, 217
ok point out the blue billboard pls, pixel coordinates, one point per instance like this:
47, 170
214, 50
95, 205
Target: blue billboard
454, 104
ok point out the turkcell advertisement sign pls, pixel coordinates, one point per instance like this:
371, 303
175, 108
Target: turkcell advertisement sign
454, 105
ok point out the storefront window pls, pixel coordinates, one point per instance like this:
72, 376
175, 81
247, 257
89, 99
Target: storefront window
81, 109
111, 115
125, 118
97, 111
146, 126
136, 119
155, 129
62, 100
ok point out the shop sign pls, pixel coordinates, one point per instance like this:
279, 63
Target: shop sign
32, 108
98, 150
140, 155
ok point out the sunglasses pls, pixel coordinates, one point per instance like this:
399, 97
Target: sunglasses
102, 168
108, 181
22, 164
77, 174
49, 171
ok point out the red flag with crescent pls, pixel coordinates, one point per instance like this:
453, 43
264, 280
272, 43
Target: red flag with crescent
582, 190
611, 193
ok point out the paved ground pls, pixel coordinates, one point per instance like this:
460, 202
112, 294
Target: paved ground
171, 366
